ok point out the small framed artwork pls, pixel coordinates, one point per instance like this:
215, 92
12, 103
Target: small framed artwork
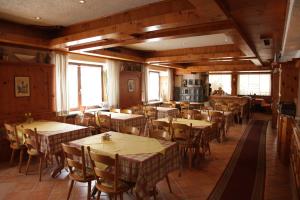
131, 85
22, 86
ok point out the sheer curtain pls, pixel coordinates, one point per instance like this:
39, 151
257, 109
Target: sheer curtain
60, 60
170, 84
113, 87
145, 74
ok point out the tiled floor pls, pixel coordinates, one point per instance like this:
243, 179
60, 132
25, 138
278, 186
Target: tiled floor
193, 184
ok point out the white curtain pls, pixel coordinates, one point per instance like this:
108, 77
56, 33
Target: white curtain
170, 83
145, 74
60, 60
113, 79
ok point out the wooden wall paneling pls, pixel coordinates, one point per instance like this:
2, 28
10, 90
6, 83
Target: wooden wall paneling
289, 82
41, 100
275, 98
128, 99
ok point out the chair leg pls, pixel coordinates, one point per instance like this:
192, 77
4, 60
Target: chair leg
28, 163
70, 189
12, 157
168, 182
21, 159
40, 167
154, 192
89, 191
121, 196
190, 157
98, 195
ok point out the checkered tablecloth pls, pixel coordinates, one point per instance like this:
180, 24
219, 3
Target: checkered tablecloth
163, 112
52, 134
146, 170
121, 119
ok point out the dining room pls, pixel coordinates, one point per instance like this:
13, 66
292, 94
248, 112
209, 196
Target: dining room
149, 99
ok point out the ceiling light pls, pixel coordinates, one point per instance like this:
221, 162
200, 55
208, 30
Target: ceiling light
38, 18
82, 1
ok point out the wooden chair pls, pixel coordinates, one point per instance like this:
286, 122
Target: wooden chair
108, 179
15, 144
104, 122
182, 134
150, 115
137, 110
161, 130
115, 110
126, 111
197, 115
187, 114
204, 140
219, 118
184, 105
130, 130
77, 166
33, 145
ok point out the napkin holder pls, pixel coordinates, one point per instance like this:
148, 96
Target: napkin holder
106, 137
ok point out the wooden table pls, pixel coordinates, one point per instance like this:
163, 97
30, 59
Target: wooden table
196, 124
163, 112
121, 119
52, 134
142, 160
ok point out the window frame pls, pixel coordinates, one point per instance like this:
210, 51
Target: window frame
157, 72
79, 65
225, 73
254, 73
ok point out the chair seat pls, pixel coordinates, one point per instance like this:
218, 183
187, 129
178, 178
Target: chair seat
78, 175
108, 186
33, 152
16, 146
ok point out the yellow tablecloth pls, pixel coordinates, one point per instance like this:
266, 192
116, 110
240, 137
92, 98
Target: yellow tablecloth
195, 123
122, 144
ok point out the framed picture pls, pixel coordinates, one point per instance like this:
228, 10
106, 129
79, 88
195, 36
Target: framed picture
22, 86
131, 85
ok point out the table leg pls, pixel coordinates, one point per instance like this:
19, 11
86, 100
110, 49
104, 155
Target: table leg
60, 164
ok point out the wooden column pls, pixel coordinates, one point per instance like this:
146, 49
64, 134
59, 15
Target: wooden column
234, 85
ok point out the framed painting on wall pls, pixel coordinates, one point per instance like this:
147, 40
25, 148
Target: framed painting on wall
131, 85
22, 86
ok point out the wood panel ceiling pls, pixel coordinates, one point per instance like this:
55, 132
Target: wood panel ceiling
188, 28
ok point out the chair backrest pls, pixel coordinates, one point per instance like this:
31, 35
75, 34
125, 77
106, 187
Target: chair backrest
90, 118
187, 114
75, 159
150, 112
32, 141
115, 110
81, 120
161, 130
104, 121
60, 119
137, 110
110, 174
184, 105
130, 130
181, 131
11, 133
126, 111
216, 116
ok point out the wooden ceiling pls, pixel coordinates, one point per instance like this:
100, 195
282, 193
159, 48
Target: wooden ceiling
245, 23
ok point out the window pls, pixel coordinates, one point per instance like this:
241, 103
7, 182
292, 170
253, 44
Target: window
153, 86
220, 80
259, 84
85, 85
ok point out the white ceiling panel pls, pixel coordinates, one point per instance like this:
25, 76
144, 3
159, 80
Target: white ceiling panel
181, 43
63, 12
